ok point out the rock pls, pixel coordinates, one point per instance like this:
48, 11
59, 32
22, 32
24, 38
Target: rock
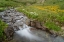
9, 32
11, 14
32, 23
6, 18
18, 14
8, 11
27, 21
20, 23
33, 29
18, 17
13, 40
53, 33
38, 25
16, 28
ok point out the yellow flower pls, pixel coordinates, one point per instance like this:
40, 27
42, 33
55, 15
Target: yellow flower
54, 9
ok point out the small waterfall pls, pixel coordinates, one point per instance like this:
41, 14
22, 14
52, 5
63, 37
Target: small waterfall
25, 32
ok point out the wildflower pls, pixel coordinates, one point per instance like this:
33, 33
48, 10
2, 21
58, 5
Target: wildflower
48, 8
23, 9
33, 13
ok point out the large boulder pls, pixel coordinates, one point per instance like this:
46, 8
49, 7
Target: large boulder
37, 25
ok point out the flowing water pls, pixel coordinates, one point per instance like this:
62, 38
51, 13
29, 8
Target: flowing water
25, 32
27, 35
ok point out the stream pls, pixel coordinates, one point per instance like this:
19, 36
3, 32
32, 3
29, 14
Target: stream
23, 32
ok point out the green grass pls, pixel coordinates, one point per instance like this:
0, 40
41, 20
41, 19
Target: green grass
57, 19
52, 26
55, 2
44, 16
2, 9
2, 27
9, 3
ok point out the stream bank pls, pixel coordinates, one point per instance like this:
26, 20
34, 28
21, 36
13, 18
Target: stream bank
20, 29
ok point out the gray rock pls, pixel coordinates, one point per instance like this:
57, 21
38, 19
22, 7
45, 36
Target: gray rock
9, 32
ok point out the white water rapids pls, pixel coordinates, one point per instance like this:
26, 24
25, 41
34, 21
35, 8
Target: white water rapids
25, 32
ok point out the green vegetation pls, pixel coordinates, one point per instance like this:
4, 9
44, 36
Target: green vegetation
55, 2
2, 27
8, 3
52, 26
49, 10
44, 16
2, 9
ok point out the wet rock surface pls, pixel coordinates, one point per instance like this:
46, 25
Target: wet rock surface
19, 31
